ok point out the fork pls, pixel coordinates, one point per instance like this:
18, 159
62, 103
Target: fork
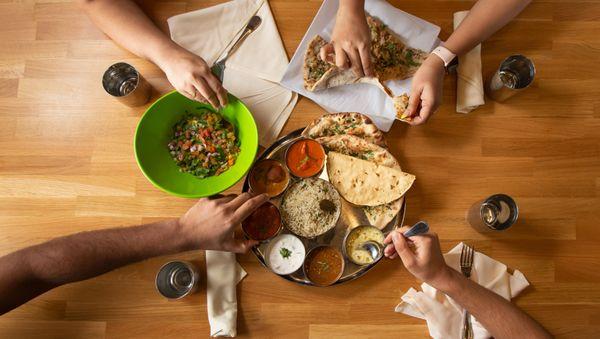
218, 68
466, 264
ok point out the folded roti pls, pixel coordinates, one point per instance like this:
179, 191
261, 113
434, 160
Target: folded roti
378, 216
364, 183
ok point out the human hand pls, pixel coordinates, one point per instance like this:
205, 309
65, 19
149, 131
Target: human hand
351, 40
210, 224
192, 77
421, 255
426, 90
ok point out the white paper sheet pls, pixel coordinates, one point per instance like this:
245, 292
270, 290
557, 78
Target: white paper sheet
363, 98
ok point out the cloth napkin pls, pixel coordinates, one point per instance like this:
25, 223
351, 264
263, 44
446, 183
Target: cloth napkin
252, 73
363, 98
223, 273
444, 315
469, 86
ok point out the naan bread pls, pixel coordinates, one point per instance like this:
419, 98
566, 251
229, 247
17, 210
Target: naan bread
359, 148
400, 106
364, 183
392, 60
355, 124
320, 74
378, 216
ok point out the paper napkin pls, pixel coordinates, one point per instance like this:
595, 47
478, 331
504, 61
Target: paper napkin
223, 273
469, 82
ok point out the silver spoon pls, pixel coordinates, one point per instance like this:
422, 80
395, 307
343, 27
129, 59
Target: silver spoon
375, 249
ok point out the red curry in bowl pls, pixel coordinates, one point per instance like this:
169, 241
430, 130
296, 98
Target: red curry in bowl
324, 265
264, 223
305, 158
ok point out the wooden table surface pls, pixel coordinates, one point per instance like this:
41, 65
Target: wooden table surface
67, 165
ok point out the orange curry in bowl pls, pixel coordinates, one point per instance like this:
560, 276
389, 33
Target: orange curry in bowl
305, 158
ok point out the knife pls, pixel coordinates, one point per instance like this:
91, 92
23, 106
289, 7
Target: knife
218, 67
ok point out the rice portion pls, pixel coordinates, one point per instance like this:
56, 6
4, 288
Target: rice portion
301, 211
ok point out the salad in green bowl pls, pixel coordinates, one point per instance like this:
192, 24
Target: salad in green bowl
190, 150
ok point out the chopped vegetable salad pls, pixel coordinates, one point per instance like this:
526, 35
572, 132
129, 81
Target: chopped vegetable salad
204, 144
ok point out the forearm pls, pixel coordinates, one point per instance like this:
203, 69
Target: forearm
356, 7
490, 309
484, 19
32, 271
126, 23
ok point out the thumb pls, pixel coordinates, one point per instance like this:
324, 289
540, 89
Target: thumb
413, 102
401, 246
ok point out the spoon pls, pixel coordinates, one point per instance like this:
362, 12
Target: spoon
375, 249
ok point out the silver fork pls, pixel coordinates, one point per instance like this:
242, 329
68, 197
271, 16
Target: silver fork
466, 264
218, 68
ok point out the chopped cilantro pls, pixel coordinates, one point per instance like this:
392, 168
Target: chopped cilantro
285, 253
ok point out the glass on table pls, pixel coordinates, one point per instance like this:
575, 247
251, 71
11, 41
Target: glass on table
497, 212
514, 74
125, 83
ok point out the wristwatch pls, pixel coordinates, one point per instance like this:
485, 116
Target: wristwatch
445, 54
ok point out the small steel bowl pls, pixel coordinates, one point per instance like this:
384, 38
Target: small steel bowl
283, 166
270, 247
275, 234
344, 245
177, 279
286, 156
309, 254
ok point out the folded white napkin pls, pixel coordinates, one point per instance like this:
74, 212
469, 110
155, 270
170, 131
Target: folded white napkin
252, 73
444, 315
223, 273
469, 83
363, 98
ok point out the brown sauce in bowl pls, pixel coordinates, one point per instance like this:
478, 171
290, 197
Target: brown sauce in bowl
324, 265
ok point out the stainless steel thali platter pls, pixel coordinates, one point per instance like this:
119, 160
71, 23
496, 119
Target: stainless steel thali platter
351, 216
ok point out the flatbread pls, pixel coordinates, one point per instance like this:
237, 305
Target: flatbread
360, 148
355, 124
364, 183
400, 106
378, 216
392, 60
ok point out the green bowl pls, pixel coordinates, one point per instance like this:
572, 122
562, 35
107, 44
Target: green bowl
155, 130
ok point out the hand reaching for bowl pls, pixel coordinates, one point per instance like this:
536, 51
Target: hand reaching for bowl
421, 255
192, 77
210, 224
350, 45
